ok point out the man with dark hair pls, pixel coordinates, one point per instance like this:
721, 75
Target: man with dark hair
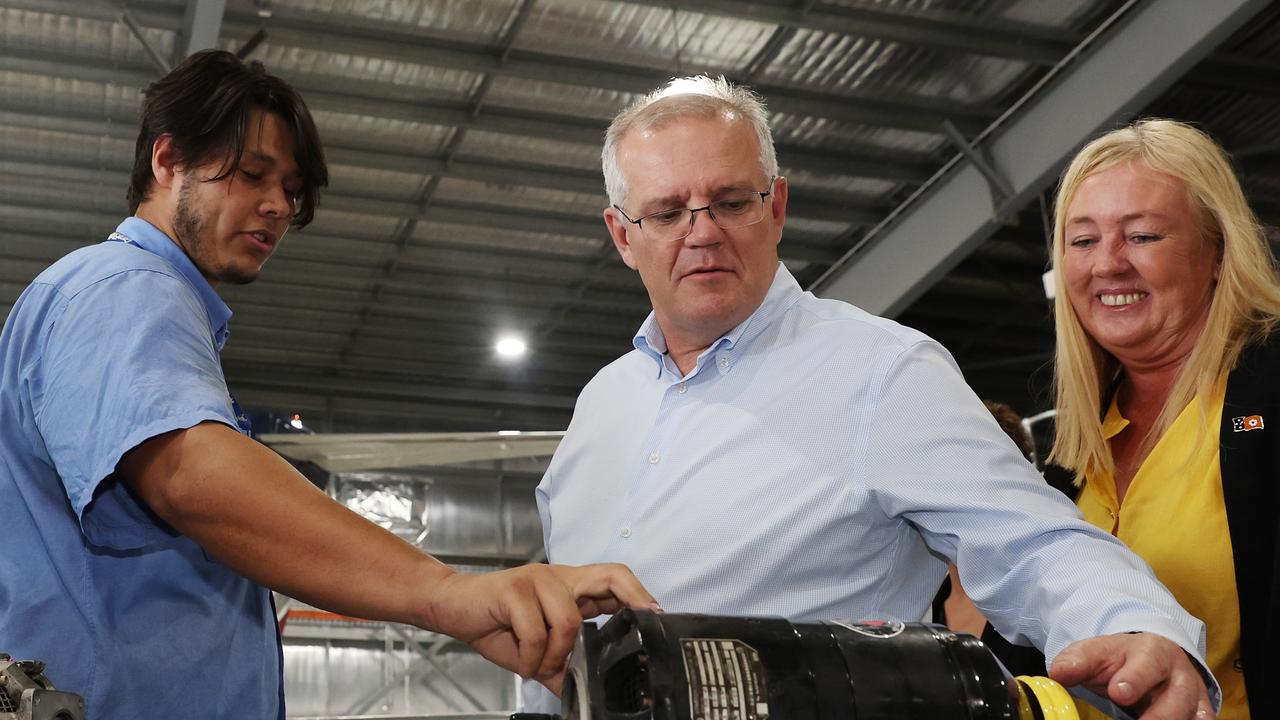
140, 524
204, 107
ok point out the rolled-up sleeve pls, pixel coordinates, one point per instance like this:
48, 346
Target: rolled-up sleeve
125, 359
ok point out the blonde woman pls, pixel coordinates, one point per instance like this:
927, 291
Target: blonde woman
1168, 382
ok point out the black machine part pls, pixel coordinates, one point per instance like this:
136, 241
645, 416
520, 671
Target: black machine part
649, 666
26, 694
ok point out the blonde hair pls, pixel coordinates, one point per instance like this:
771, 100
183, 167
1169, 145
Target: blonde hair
698, 96
1246, 298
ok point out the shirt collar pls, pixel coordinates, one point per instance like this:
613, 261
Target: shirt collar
783, 293
136, 231
1114, 422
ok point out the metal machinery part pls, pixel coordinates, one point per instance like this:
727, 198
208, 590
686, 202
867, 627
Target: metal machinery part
26, 694
649, 666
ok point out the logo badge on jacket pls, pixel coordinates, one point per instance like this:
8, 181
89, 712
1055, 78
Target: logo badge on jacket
1245, 423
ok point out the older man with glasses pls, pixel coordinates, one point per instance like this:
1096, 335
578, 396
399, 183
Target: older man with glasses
766, 452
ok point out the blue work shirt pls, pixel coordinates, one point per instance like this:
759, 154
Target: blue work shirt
822, 463
111, 345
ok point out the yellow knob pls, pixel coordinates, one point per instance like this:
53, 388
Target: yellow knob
1054, 700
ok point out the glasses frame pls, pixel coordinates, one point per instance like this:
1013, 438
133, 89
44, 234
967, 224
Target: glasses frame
693, 213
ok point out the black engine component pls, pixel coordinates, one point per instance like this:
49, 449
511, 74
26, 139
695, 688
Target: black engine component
649, 666
26, 694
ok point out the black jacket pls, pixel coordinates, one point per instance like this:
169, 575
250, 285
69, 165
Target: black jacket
1250, 461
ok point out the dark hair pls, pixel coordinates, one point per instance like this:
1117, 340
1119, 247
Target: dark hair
1011, 424
205, 104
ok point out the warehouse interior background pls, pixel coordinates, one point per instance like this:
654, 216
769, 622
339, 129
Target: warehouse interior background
921, 139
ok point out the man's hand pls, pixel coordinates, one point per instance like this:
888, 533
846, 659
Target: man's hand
526, 619
1146, 673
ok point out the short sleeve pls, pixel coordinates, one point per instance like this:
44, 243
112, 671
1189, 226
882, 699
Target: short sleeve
129, 357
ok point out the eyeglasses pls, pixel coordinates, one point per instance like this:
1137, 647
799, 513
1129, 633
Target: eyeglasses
675, 224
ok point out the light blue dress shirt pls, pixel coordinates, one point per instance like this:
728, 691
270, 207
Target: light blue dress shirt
111, 345
823, 463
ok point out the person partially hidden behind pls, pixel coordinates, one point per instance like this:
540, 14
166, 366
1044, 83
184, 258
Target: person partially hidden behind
1168, 383
762, 451
952, 606
140, 526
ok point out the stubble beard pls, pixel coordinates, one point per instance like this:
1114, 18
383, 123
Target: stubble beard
188, 225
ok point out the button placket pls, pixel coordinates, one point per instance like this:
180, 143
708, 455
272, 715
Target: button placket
653, 451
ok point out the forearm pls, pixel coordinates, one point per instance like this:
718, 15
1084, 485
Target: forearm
250, 509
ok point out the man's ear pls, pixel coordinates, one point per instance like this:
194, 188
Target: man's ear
164, 163
779, 206
618, 229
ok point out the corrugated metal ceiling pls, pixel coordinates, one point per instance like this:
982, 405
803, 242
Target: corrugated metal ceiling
464, 141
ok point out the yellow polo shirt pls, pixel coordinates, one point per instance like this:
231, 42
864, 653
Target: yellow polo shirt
1174, 517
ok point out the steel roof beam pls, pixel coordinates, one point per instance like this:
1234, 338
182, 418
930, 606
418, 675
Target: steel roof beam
912, 167
869, 161
884, 163
1155, 44
304, 30
384, 40
467, 167
162, 15
949, 32
162, 66
201, 25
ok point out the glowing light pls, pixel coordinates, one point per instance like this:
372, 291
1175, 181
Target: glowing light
510, 347
508, 432
295, 422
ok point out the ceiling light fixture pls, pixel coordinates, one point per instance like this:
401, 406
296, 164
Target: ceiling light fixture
510, 347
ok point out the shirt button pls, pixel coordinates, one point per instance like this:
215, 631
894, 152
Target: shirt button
625, 532
682, 388
724, 363
654, 459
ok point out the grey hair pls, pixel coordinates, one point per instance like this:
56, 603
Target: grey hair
696, 96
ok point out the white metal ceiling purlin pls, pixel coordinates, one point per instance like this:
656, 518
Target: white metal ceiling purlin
464, 140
